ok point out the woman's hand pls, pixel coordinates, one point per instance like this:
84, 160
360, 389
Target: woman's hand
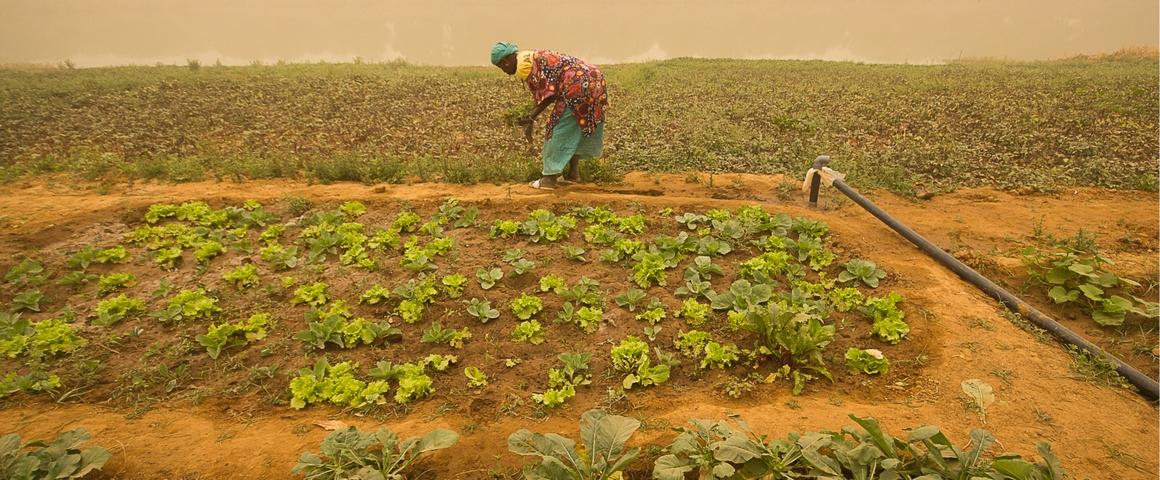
528, 130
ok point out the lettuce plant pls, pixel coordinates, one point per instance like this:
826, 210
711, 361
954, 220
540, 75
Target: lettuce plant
313, 294
526, 306
375, 295
475, 377
562, 382
589, 318
529, 331
453, 284
115, 281
219, 337
38, 340
695, 313
888, 318
869, 361
437, 334
574, 253
189, 305
245, 276
653, 315
719, 356
552, 283
113, 310
692, 343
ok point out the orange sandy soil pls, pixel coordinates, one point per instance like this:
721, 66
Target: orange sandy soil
1097, 431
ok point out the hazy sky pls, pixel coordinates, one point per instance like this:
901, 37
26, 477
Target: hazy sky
114, 32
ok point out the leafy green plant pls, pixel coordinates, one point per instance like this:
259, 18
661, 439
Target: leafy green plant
313, 294
76, 278
475, 377
1080, 277
650, 269
482, 310
38, 340
716, 449
529, 331
167, 258
652, 331
337, 325
406, 221
488, 277
719, 356
631, 299
791, 338
522, 266
219, 337
562, 382
411, 311
208, 250
375, 295
504, 228
62, 458
351, 453
281, 258
526, 306
27, 272
864, 270
113, 310
601, 457
713, 246
574, 253
695, 313
766, 267
27, 300
742, 296
115, 281
454, 284
438, 362
543, 225
653, 315
589, 318
869, 361
245, 276
631, 355
552, 283
413, 382
692, 343
888, 318
189, 305
335, 384
631, 225
437, 334
585, 292
35, 381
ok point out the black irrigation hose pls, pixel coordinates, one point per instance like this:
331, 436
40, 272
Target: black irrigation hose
1146, 385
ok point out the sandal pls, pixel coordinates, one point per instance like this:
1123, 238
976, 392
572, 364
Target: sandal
536, 185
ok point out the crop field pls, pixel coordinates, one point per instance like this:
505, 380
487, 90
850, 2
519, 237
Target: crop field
248, 272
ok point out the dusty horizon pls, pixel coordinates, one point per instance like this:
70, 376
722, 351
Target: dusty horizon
446, 33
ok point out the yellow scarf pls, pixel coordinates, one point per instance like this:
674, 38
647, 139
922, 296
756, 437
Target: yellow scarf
524, 65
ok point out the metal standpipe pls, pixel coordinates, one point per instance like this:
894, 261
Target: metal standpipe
1146, 385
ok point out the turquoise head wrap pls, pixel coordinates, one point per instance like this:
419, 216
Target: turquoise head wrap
502, 49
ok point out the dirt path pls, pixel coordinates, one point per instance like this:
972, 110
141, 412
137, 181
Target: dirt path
1099, 432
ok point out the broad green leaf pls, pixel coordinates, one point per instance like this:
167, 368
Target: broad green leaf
981, 394
669, 467
1081, 268
884, 442
437, 439
604, 435
735, 449
1062, 295
1091, 291
1058, 275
